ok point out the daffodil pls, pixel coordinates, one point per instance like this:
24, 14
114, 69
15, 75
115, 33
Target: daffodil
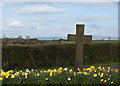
101, 80
103, 69
38, 74
92, 68
25, 76
46, 78
41, 71
17, 73
80, 72
101, 75
48, 70
60, 69
11, 71
99, 67
23, 73
50, 74
55, 70
116, 70
71, 70
105, 80
74, 73
112, 82
65, 69
69, 79
108, 79
32, 70
108, 68
1, 78
86, 73
6, 76
12, 76
95, 75
3, 74
27, 70
84, 69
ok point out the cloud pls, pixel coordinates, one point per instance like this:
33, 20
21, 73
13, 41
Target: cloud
93, 4
31, 10
95, 18
98, 26
15, 24
60, 0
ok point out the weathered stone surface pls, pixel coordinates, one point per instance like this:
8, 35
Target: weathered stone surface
79, 38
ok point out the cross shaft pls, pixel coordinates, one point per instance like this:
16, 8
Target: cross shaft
79, 38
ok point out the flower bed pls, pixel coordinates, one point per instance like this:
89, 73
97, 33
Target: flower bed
62, 76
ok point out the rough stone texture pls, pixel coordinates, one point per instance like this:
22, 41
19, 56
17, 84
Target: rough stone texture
79, 38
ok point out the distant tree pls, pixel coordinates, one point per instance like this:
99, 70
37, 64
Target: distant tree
109, 37
20, 37
27, 37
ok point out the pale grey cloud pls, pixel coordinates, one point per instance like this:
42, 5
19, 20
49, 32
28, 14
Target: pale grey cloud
41, 10
86, 4
98, 26
60, 0
96, 18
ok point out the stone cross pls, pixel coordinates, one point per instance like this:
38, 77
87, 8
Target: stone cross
79, 38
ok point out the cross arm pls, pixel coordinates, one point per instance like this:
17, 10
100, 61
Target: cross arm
71, 37
87, 38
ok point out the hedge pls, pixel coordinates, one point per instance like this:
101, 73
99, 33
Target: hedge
37, 56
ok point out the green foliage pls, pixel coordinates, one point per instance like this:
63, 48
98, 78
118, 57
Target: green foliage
35, 56
65, 77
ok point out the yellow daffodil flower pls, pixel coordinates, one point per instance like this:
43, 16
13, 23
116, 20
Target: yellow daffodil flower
108, 79
108, 68
38, 74
95, 75
99, 67
112, 82
1, 78
50, 74
46, 78
6, 76
41, 71
116, 70
23, 73
71, 70
101, 80
105, 80
101, 75
25, 76
12, 76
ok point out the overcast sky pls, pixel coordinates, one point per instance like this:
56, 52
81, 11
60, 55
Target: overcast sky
59, 19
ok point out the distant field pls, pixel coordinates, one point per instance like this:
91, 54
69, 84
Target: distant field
100, 41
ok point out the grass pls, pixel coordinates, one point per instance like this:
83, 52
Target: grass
99, 41
104, 64
86, 66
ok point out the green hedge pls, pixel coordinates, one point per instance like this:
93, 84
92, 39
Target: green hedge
37, 56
